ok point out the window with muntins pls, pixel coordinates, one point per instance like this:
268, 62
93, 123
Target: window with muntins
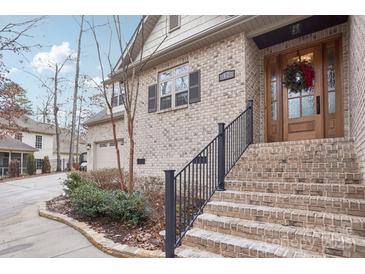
174, 87
38, 141
117, 99
39, 163
19, 136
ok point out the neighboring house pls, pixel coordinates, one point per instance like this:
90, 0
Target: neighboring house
13, 149
65, 136
205, 70
42, 138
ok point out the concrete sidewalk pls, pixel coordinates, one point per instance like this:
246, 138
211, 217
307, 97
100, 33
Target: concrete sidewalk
24, 234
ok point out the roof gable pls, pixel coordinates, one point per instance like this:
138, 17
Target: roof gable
10, 144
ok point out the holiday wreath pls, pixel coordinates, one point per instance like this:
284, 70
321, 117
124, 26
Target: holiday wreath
298, 76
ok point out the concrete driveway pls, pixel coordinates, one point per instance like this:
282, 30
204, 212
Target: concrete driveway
24, 234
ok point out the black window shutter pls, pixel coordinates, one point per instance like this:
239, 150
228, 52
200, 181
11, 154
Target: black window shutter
152, 98
194, 87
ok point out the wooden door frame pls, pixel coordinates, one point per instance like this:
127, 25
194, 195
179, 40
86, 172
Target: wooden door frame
278, 54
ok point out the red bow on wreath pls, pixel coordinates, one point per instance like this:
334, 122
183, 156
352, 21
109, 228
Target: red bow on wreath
308, 74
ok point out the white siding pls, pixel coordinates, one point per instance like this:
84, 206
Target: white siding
47, 144
190, 26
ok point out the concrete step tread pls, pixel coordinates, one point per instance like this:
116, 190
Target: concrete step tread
318, 233
350, 218
190, 252
261, 247
318, 198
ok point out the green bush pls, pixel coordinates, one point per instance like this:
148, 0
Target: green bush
89, 200
46, 168
31, 167
127, 207
75, 180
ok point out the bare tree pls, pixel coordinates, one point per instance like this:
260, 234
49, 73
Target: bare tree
129, 82
12, 33
54, 91
104, 90
128, 85
43, 109
13, 102
58, 69
76, 87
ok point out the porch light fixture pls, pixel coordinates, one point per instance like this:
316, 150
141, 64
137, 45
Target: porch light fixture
88, 146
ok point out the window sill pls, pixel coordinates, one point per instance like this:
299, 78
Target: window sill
173, 109
175, 28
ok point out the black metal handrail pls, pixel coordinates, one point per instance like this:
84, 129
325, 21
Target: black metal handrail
188, 191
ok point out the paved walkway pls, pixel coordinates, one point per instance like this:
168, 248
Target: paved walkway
24, 234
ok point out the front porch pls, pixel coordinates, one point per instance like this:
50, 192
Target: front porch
319, 111
7, 156
13, 150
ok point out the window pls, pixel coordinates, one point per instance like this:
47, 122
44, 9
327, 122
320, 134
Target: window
103, 145
38, 141
274, 93
19, 136
174, 22
117, 99
331, 79
174, 87
111, 144
39, 163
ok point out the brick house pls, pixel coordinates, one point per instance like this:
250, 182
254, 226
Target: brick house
305, 169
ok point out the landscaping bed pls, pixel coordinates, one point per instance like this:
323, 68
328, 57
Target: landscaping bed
144, 233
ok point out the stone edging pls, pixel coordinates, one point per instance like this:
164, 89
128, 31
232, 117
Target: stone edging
98, 239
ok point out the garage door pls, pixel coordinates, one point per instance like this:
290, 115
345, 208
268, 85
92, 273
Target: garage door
105, 156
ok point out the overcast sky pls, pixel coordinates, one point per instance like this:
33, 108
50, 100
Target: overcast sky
58, 36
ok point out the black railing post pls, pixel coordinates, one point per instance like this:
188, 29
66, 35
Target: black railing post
170, 211
221, 156
249, 123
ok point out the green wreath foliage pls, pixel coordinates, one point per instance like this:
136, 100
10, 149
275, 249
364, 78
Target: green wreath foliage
294, 78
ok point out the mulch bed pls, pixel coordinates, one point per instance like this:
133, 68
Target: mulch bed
145, 235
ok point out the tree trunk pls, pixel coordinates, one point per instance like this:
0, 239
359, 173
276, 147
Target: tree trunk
76, 87
121, 174
55, 112
78, 128
131, 155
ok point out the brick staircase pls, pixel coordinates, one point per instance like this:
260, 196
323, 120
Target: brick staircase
290, 199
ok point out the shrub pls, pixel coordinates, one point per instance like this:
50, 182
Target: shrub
104, 178
73, 181
130, 208
31, 166
90, 200
14, 168
46, 168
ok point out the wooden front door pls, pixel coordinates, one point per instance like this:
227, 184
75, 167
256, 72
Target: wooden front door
311, 113
302, 115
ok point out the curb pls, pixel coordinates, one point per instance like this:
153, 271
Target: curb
98, 239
